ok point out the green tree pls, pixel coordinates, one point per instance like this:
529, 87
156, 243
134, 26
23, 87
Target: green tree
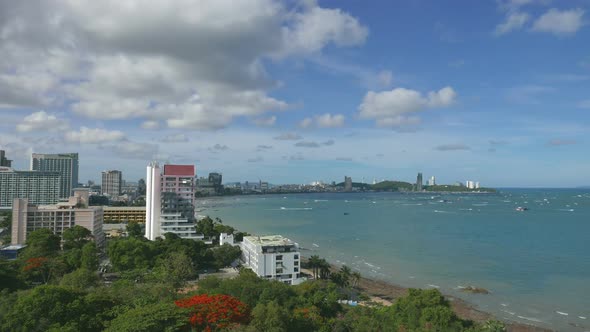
153, 317
206, 226
225, 255
41, 243
76, 237
131, 253
175, 268
80, 279
89, 257
355, 278
134, 229
270, 317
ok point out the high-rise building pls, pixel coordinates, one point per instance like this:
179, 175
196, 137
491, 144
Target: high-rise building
112, 182
419, 182
38, 187
432, 181
4, 162
28, 217
153, 201
347, 183
170, 198
272, 257
64, 163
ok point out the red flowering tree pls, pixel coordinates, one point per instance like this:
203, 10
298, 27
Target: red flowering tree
211, 313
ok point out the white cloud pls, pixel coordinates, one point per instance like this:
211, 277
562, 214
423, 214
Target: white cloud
265, 122
134, 150
385, 77
389, 108
514, 21
115, 60
41, 121
150, 124
94, 136
288, 137
326, 120
560, 23
176, 138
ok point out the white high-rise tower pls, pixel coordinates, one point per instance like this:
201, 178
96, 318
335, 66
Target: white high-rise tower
153, 201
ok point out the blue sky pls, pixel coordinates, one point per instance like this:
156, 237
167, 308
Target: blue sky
301, 91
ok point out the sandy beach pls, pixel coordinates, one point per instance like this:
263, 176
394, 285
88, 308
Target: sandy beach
386, 293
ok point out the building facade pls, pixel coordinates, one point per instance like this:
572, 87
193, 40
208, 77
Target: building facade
170, 199
38, 187
66, 164
4, 162
419, 182
58, 217
153, 201
124, 214
347, 183
112, 182
272, 257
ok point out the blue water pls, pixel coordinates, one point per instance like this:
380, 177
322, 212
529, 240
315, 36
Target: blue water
536, 263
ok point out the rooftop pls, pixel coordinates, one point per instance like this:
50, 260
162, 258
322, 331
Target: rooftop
181, 170
270, 240
124, 208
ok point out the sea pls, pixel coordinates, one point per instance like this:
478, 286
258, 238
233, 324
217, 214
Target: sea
535, 263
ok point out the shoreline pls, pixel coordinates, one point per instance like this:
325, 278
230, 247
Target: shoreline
385, 293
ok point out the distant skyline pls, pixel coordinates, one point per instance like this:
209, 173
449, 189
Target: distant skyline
302, 91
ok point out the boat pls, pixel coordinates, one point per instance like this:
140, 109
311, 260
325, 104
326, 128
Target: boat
522, 208
345, 213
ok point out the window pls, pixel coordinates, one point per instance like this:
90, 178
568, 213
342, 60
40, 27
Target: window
279, 257
296, 257
296, 269
279, 271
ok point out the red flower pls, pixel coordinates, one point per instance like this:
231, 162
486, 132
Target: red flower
210, 313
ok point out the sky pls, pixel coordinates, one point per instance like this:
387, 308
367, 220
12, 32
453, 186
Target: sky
300, 91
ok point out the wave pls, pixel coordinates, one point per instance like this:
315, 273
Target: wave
532, 319
509, 312
566, 210
320, 200
433, 286
295, 209
562, 313
315, 245
412, 204
581, 317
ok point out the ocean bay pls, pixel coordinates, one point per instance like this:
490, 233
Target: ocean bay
535, 262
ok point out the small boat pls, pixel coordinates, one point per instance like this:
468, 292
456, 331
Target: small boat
346, 213
522, 208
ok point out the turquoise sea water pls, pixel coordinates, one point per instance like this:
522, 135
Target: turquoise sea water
536, 263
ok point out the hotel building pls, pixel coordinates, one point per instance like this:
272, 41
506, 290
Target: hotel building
124, 214
58, 217
38, 187
170, 198
66, 164
112, 182
272, 257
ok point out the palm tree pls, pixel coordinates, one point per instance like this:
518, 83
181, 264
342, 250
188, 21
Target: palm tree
314, 263
345, 271
356, 277
324, 267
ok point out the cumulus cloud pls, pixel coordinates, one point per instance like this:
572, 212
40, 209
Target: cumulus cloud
288, 137
329, 142
265, 122
560, 23
264, 147
134, 150
452, 147
218, 147
41, 121
390, 108
176, 138
94, 136
114, 60
326, 120
514, 21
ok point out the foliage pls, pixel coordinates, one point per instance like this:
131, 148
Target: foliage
392, 186
134, 229
226, 254
89, 258
175, 268
131, 253
80, 279
215, 312
76, 237
41, 243
98, 200
153, 317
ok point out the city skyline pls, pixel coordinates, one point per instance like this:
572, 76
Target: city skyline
308, 90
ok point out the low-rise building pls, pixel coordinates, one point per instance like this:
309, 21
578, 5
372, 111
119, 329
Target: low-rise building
124, 214
272, 257
59, 217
